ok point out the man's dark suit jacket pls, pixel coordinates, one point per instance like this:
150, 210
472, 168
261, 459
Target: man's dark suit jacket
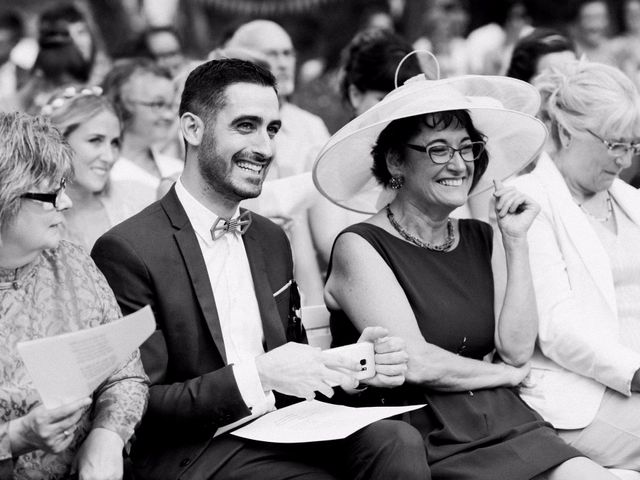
154, 259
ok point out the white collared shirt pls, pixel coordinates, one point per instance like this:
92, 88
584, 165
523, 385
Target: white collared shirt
232, 284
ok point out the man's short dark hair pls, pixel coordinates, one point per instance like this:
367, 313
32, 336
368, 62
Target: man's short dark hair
204, 89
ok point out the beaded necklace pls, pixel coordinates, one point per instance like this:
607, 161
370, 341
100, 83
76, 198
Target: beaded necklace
604, 219
443, 247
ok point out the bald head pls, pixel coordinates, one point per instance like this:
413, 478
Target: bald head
274, 43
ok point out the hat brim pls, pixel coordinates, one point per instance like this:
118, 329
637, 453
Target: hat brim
342, 171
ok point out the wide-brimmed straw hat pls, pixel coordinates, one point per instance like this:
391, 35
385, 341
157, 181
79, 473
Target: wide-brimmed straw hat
501, 108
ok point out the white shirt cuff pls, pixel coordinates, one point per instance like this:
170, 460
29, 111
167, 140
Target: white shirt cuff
254, 396
250, 386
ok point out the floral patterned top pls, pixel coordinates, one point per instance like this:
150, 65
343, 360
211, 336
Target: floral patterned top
60, 291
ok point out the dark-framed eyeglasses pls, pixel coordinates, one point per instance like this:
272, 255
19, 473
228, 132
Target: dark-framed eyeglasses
51, 197
618, 149
443, 153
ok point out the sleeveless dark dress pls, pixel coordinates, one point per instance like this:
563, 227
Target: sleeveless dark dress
485, 434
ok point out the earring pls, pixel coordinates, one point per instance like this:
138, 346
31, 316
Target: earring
396, 182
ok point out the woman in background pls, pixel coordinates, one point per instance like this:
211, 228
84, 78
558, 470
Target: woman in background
541, 49
145, 97
368, 73
90, 124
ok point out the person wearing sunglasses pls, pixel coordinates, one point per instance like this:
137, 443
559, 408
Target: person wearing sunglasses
49, 286
585, 263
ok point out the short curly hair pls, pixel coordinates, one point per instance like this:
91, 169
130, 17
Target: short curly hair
32, 153
393, 139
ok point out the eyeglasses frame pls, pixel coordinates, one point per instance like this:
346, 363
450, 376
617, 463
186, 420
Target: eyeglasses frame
154, 106
452, 151
50, 197
635, 147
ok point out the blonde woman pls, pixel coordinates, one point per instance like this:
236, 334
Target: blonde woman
90, 124
585, 263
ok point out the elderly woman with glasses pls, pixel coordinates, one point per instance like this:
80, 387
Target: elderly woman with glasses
50, 287
585, 263
145, 97
427, 277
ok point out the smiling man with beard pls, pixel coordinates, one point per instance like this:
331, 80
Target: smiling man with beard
228, 345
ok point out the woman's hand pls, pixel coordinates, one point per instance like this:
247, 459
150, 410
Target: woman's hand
45, 429
100, 457
515, 212
517, 375
390, 357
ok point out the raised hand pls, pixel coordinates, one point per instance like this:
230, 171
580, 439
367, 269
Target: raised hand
301, 370
515, 212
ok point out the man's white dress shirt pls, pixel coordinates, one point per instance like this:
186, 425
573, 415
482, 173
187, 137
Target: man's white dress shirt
232, 285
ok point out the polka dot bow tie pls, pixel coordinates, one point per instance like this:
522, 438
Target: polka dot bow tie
223, 225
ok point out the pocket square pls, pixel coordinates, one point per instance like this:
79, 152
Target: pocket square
283, 288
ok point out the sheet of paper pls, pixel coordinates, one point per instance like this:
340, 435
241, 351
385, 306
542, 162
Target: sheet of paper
70, 366
315, 421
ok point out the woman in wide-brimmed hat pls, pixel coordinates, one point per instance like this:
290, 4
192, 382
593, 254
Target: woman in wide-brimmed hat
426, 277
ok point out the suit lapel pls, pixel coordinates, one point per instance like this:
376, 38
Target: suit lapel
194, 263
272, 327
579, 231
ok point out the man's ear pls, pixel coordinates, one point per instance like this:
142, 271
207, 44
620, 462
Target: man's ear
192, 128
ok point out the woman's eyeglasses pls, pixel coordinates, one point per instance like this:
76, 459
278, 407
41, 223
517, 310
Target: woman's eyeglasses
156, 106
441, 154
51, 197
618, 149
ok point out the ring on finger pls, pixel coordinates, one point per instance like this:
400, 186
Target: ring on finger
66, 433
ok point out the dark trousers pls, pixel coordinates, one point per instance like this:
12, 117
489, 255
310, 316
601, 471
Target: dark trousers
385, 450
